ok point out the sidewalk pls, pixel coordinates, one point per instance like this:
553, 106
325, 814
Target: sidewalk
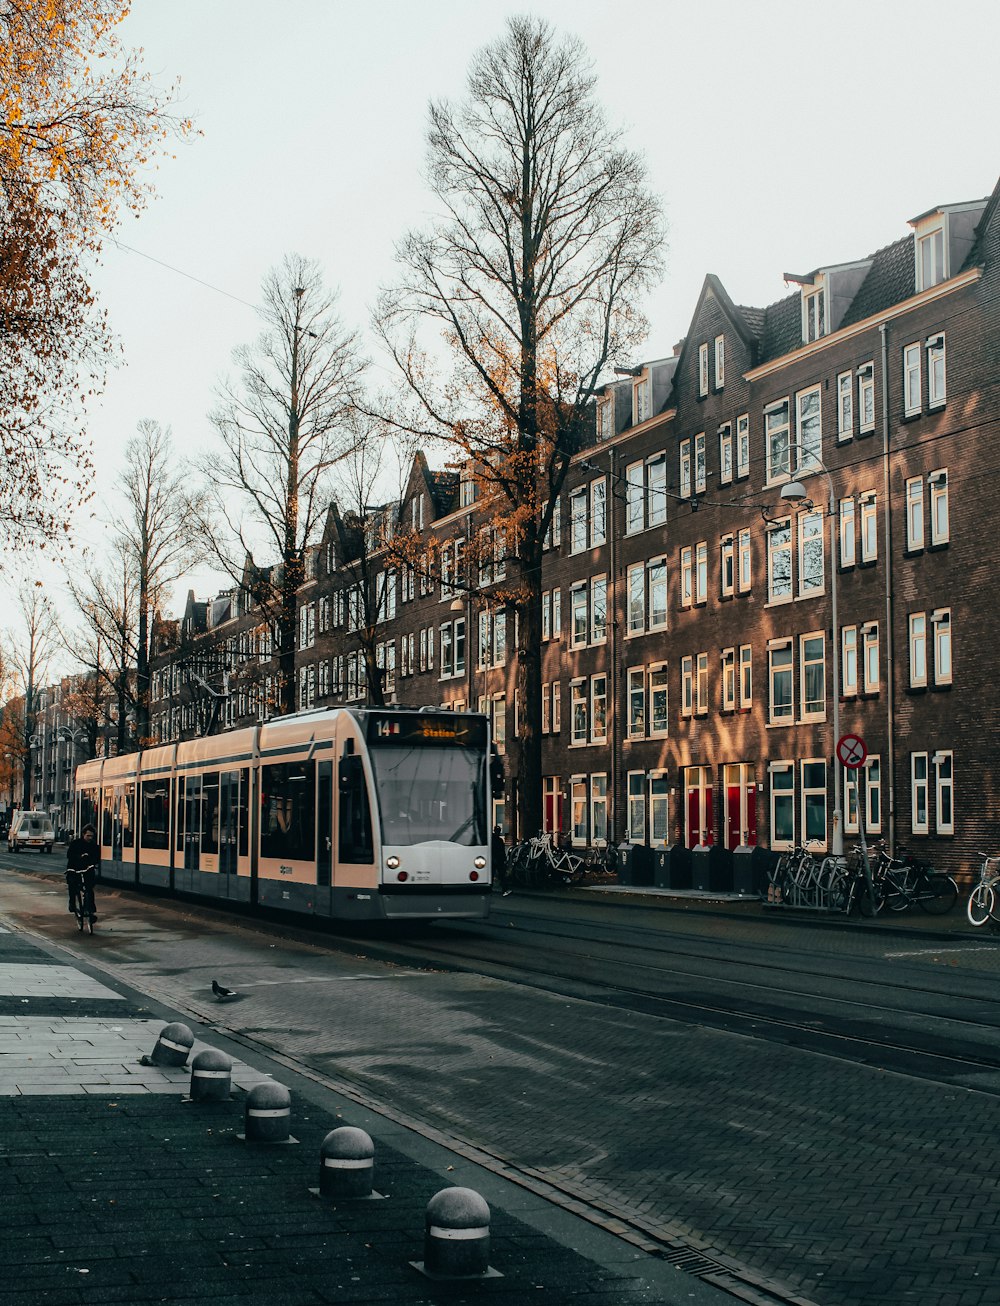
117, 1190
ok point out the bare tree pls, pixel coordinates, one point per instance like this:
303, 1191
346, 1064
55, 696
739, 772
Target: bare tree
155, 534
107, 599
282, 426
531, 276
30, 652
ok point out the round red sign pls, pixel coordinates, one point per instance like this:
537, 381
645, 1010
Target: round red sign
851, 751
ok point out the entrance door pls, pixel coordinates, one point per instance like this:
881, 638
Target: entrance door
552, 804
324, 823
192, 823
741, 806
699, 823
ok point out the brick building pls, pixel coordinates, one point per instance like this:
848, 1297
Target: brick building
688, 655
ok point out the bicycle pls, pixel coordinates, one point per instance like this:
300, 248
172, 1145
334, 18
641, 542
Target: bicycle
84, 907
984, 901
537, 860
901, 882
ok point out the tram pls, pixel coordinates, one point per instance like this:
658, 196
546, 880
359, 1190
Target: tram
349, 814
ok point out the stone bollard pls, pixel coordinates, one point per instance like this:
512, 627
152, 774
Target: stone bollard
211, 1076
172, 1046
268, 1114
457, 1235
346, 1164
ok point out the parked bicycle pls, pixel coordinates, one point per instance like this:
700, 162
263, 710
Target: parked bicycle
984, 900
901, 882
800, 879
538, 861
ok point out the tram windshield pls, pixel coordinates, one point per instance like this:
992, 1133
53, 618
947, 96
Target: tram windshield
430, 794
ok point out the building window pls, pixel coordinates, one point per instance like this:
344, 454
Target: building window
849, 660
866, 398
598, 609
636, 790
746, 676
656, 490
782, 785
546, 614
578, 521
685, 468
936, 379
813, 314
636, 584
729, 680
918, 650
869, 777
869, 528
779, 562
578, 615
701, 700
700, 470
808, 428
848, 541
687, 576
845, 406
658, 720
915, 513
777, 440
812, 675
656, 575
811, 564
782, 703
869, 638
634, 498
726, 453
701, 572
720, 362
606, 418
578, 711
687, 686
578, 809
911, 380
938, 482
930, 259
641, 407
598, 709
546, 707
556, 707
703, 370
557, 614
637, 703
944, 793
598, 512
743, 445
727, 566
599, 810
745, 567
814, 802
659, 807
919, 818
941, 620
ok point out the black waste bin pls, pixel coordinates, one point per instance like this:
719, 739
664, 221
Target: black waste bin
743, 870
701, 875
661, 868
680, 867
720, 869
635, 864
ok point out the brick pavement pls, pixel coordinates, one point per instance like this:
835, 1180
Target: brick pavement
116, 1190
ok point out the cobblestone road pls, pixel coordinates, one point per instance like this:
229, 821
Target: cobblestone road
845, 1184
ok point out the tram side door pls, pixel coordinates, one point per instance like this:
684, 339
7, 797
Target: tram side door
192, 823
117, 807
324, 824
229, 792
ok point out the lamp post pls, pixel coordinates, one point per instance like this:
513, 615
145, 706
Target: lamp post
794, 493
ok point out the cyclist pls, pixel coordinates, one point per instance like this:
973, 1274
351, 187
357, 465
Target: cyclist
498, 850
83, 857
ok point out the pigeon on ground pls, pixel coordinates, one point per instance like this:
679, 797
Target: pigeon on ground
222, 993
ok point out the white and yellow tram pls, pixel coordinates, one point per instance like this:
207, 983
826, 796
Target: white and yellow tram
351, 814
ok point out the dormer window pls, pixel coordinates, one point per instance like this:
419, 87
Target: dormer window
606, 418
931, 261
813, 314
641, 405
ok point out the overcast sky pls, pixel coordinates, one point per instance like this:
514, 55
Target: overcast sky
780, 135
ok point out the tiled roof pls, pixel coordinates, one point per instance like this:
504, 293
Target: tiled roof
782, 328
890, 279
754, 319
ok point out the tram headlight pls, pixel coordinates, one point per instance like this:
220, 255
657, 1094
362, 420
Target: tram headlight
480, 862
392, 862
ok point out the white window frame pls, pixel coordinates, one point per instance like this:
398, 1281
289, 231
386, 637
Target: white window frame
786, 668
914, 514
635, 790
726, 453
848, 533
599, 809
703, 370
845, 406
787, 797
808, 429
866, 398
642, 406
701, 684
812, 712
814, 312
917, 641
870, 669
657, 593
944, 783
578, 520
599, 698
598, 512
812, 791
579, 725
940, 525
684, 468
783, 527
687, 686
598, 609
743, 445
728, 677
869, 527
911, 380
635, 599
777, 441
656, 489
579, 623
727, 566
701, 572
849, 666
930, 257
811, 532
636, 702
658, 688
937, 375
744, 571
720, 362
700, 464
635, 495
746, 677
687, 576
919, 787
943, 649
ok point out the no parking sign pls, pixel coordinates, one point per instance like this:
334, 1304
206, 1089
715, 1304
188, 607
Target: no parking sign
851, 751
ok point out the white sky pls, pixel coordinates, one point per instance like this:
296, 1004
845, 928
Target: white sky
781, 136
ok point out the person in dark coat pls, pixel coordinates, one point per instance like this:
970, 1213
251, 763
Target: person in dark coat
83, 855
498, 851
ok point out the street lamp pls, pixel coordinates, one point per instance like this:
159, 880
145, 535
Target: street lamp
794, 493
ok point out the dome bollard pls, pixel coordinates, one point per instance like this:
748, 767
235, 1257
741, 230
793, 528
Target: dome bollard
172, 1047
268, 1115
346, 1165
457, 1236
211, 1076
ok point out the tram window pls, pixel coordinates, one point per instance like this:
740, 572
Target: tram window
155, 819
210, 812
288, 811
179, 823
354, 840
243, 810
88, 807
127, 811
107, 800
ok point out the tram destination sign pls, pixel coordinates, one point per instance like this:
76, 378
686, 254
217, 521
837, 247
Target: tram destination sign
445, 729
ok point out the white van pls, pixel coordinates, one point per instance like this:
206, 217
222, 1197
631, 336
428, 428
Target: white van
30, 830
